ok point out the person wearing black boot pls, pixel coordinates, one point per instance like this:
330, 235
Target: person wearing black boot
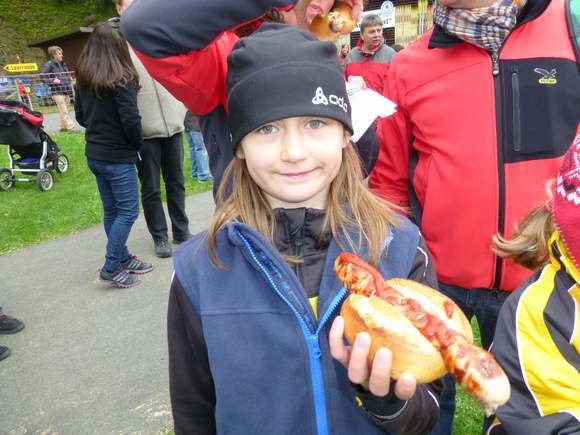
8, 325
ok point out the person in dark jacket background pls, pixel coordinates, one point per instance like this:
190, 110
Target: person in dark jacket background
197, 150
56, 75
161, 157
106, 105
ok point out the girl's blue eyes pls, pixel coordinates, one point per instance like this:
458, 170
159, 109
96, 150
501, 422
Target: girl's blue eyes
315, 123
310, 124
266, 129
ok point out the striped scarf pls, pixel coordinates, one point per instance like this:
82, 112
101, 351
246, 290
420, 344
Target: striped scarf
486, 27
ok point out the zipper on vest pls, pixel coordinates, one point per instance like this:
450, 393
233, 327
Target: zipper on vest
312, 339
500, 160
516, 127
316, 364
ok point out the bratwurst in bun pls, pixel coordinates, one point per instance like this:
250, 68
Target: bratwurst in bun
337, 22
426, 332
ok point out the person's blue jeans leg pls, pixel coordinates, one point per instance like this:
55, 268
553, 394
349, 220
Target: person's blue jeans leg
484, 304
190, 141
117, 183
199, 155
488, 304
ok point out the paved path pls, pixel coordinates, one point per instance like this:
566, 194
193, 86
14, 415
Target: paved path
90, 360
52, 122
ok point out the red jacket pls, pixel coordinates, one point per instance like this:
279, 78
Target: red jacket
185, 48
372, 67
487, 136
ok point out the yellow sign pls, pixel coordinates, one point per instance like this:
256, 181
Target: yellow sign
21, 67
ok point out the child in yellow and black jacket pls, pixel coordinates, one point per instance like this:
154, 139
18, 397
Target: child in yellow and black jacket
537, 338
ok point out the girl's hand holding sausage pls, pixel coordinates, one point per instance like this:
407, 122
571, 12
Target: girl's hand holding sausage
377, 378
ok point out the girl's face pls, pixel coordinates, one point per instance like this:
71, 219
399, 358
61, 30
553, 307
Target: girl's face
294, 160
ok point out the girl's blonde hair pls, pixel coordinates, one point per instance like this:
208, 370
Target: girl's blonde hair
350, 206
529, 245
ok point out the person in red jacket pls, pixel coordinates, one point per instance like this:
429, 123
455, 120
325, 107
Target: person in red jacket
488, 103
344, 50
184, 45
370, 59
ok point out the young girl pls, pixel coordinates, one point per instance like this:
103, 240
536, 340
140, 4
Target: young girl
536, 339
253, 298
106, 105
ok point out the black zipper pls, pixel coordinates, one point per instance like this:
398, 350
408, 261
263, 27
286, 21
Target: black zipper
297, 244
500, 160
516, 122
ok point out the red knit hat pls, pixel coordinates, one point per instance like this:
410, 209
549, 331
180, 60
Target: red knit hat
566, 202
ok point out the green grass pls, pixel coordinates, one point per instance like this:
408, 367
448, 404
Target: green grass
50, 109
468, 414
25, 21
29, 216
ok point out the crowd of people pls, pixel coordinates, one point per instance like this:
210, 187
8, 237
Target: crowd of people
488, 115
466, 153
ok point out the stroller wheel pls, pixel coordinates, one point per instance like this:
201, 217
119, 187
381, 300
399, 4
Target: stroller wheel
62, 164
44, 180
6, 180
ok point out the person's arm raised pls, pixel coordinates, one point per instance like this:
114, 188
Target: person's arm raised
184, 44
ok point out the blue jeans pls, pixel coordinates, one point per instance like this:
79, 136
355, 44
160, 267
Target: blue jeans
484, 304
198, 155
117, 183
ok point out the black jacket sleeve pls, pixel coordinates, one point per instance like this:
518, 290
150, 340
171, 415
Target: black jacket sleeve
190, 383
79, 114
126, 100
47, 73
415, 416
368, 149
423, 270
419, 414
180, 26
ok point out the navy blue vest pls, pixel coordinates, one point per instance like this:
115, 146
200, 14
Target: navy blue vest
268, 352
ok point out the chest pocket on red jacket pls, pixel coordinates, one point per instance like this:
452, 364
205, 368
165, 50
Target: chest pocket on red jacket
541, 107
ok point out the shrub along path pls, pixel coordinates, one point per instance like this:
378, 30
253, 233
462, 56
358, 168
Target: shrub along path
90, 360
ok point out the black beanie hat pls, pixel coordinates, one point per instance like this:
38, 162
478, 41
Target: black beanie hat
280, 72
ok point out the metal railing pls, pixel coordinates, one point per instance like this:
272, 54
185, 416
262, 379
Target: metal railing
35, 90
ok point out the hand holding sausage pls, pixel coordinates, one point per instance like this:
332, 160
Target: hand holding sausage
339, 21
375, 378
426, 332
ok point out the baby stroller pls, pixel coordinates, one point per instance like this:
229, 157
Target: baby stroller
30, 149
